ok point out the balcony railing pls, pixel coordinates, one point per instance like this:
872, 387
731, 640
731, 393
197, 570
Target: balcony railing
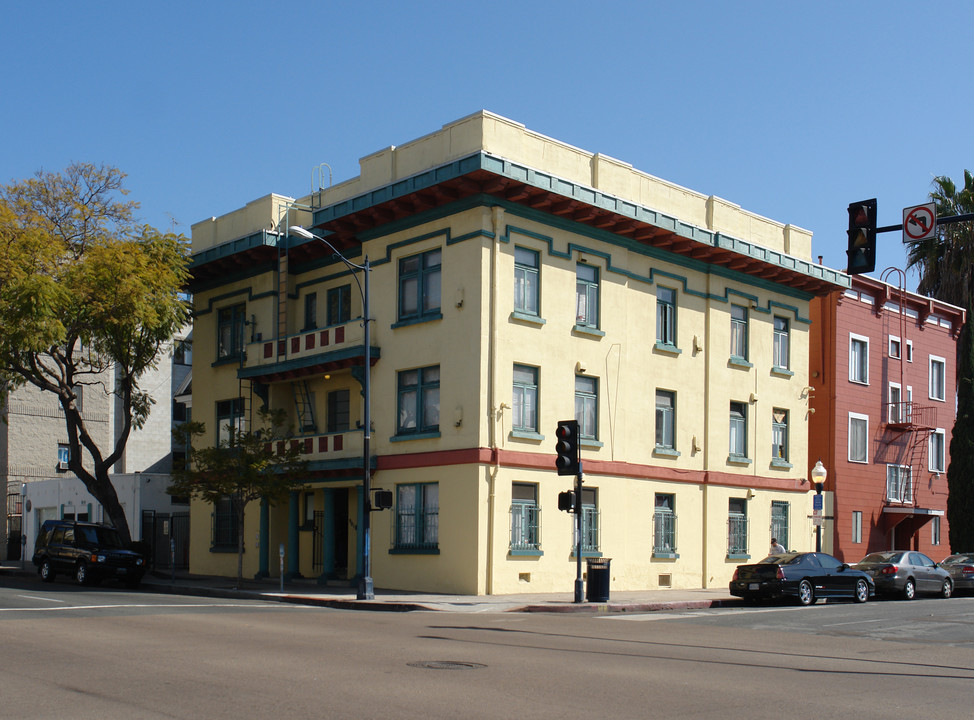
329, 446
910, 416
306, 344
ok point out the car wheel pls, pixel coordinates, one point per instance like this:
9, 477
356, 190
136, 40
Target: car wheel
806, 595
909, 590
47, 571
862, 591
947, 590
81, 573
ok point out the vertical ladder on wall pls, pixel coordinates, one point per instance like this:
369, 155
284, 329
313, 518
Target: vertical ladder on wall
304, 406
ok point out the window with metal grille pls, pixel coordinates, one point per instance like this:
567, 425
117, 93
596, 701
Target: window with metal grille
417, 516
737, 526
525, 518
779, 521
664, 524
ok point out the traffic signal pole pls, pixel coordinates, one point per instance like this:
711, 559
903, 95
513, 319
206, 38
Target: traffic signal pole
578, 535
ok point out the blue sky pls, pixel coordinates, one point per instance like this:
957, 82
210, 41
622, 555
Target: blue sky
792, 110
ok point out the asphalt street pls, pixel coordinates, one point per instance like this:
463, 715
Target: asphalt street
97, 653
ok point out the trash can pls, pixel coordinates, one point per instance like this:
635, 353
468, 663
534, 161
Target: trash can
597, 581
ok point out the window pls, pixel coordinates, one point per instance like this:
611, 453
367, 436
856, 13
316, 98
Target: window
857, 526
782, 351
858, 437
419, 286
180, 412
339, 305
417, 516
938, 456
587, 296
229, 421
779, 435
665, 420
338, 411
590, 521
63, 456
224, 524
894, 347
525, 400
525, 518
586, 406
309, 508
858, 359
738, 430
779, 521
909, 351
310, 311
419, 401
738, 338
937, 378
665, 316
737, 526
183, 352
664, 525
899, 484
935, 530
230, 331
896, 409
527, 289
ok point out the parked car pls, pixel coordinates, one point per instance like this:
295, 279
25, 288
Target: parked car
961, 569
906, 573
803, 576
86, 551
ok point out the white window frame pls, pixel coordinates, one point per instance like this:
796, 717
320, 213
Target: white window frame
899, 347
857, 526
895, 408
909, 351
864, 418
942, 362
937, 456
853, 338
935, 531
904, 485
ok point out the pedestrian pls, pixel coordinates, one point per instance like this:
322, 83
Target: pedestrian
776, 549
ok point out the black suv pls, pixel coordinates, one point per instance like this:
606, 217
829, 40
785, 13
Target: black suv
87, 551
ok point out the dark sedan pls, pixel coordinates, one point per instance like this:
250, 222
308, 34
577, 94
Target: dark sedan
961, 569
906, 573
803, 576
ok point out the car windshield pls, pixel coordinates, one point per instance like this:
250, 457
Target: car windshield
959, 560
880, 557
100, 536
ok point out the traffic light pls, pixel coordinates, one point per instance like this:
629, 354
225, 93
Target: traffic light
567, 447
382, 500
566, 501
862, 237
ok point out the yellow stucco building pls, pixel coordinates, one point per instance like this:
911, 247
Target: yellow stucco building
516, 281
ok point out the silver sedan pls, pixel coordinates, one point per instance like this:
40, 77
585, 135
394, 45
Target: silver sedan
906, 573
961, 569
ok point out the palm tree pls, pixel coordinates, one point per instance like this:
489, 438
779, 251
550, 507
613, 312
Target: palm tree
945, 264
945, 261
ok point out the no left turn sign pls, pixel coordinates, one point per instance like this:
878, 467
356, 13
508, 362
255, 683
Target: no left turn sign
919, 222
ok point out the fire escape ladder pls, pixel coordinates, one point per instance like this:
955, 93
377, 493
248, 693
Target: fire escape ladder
304, 406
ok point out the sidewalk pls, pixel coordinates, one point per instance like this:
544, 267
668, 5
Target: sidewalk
308, 592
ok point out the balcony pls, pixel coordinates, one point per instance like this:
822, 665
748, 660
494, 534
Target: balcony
331, 451
307, 353
908, 416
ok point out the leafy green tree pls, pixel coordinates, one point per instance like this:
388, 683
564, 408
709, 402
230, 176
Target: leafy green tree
246, 465
945, 264
86, 293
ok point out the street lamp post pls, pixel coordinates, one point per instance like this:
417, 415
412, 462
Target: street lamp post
819, 473
366, 590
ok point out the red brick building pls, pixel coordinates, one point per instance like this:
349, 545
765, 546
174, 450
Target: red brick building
882, 369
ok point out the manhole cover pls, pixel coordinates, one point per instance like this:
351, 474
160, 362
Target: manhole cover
446, 665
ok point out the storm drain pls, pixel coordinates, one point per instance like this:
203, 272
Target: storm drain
446, 665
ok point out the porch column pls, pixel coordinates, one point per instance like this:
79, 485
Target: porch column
263, 541
293, 521
328, 538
